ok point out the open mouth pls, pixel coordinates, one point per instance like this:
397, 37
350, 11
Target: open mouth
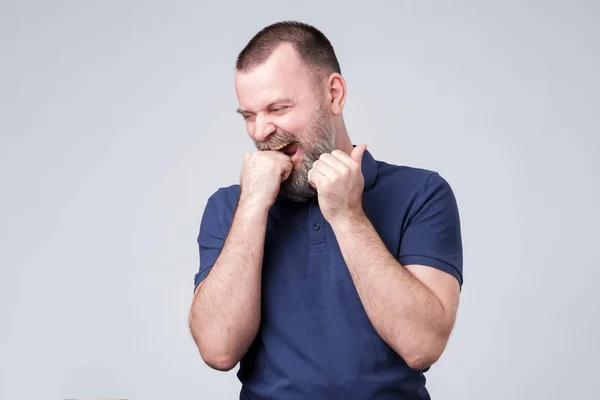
288, 149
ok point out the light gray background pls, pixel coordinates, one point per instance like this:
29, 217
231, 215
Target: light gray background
117, 122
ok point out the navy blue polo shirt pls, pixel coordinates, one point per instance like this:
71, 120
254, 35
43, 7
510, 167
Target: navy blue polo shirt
315, 340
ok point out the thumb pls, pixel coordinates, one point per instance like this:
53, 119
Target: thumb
357, 153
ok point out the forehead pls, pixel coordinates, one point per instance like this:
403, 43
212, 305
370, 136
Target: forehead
281, 76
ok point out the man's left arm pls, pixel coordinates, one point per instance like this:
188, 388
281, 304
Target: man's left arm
413, 307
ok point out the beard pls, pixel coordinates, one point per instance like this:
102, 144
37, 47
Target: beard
320, 139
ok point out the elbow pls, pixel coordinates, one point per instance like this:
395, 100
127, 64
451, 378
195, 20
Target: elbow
219, 363
428, 349
217, 358
422, 360
424, 355
215, 354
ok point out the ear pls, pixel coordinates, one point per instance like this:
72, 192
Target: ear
336, 86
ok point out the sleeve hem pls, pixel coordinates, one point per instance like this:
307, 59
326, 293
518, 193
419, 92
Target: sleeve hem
200, 276
434, 263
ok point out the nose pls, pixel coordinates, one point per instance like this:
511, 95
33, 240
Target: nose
263, 128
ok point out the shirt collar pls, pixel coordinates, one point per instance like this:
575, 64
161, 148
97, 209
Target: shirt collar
369, 169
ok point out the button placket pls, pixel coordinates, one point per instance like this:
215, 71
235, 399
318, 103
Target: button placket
316, 226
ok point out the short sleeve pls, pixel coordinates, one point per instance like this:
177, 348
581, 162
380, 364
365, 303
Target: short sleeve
432, 236
211, 238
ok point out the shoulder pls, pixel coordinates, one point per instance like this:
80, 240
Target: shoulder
223, 201
428, 216
225, 196
409, 180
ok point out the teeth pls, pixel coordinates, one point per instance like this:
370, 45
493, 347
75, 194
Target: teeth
280, 147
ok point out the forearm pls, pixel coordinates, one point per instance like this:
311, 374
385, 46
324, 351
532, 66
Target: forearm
225, 313
405, 313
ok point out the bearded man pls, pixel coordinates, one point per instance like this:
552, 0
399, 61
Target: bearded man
327, 274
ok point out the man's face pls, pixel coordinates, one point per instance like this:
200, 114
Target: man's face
283, 110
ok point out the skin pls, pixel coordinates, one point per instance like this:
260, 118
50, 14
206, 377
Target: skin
412, 307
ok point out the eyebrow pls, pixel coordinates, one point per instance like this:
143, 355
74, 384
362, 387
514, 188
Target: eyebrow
271, 104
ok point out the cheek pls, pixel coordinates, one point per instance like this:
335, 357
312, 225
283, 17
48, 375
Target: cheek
294, 124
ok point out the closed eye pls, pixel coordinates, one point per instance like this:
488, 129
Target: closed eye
279, 109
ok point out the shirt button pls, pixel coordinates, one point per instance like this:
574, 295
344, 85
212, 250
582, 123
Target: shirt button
316, 226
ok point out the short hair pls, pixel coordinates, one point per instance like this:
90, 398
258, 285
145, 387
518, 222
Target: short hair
312, 46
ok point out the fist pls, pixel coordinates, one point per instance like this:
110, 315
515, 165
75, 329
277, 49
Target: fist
339, 181
261, 176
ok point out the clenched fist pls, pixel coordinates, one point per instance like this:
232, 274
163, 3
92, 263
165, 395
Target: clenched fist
339, 181
261, 177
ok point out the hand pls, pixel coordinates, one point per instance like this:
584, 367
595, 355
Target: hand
261, 176
339, 182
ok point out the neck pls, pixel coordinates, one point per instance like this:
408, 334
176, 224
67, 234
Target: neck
342, 139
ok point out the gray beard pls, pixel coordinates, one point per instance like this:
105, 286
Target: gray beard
297, 188
320, 139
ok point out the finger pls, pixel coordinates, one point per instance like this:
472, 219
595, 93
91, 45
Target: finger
283, 163
333, 162
287, 170
314, 176
325, 168
344, 158
357, 153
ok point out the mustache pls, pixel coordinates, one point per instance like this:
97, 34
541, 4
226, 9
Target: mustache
275, 140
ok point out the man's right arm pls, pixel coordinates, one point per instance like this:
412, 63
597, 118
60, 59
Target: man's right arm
225, 312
